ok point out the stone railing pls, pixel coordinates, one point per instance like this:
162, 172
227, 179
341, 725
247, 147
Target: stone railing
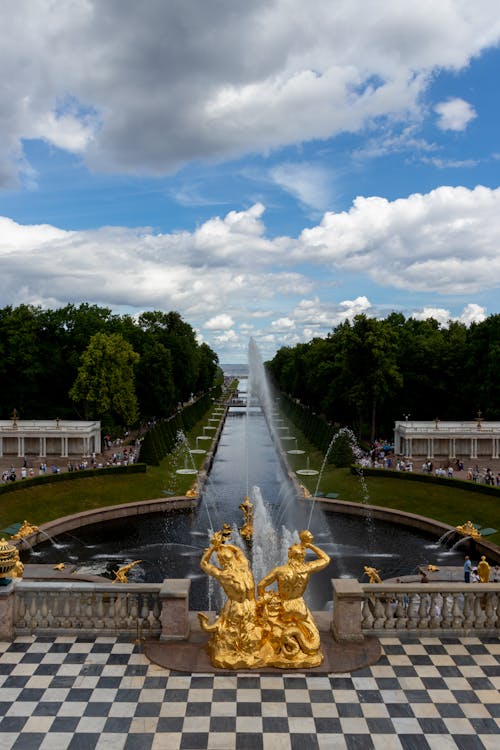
59, 607
429, 608
162, 610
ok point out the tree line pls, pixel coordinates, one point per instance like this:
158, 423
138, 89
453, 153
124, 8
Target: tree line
367, 373
85, 362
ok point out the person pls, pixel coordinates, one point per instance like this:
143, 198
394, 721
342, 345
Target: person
467, 569
293, 632
474, 577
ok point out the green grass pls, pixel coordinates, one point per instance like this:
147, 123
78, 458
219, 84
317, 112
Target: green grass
447, 504
42, 503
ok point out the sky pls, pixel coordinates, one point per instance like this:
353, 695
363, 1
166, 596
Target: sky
267, 168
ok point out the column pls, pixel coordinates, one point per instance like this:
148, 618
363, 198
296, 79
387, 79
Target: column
64, 447
451, 448
347, 605
473, 447
431, 447
20, 446
174, 617
43, 447
1, 446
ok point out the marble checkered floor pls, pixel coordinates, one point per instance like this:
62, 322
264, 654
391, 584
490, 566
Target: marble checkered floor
80, 693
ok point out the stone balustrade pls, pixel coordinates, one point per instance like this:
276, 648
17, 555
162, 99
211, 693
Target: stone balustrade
162, 610
58, 608
429, 608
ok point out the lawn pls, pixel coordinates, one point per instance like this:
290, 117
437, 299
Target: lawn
448, 504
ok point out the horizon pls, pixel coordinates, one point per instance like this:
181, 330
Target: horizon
267, 174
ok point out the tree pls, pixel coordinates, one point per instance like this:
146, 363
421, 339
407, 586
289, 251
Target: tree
105, 383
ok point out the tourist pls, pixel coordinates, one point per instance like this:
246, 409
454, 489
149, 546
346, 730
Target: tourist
474, 576
467, 569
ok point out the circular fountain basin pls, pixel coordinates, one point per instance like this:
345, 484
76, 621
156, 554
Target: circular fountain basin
307, 472
197, 450
296, 452
186, 471
204, 437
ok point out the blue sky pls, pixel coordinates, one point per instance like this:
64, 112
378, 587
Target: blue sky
267, 168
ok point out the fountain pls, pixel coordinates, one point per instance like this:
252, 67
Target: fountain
246, 463
307, 472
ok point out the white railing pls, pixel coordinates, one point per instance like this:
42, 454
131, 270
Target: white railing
47, 607
143, 610
433, 608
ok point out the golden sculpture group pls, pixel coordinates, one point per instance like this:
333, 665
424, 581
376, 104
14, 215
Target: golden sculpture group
468, 529
275, 629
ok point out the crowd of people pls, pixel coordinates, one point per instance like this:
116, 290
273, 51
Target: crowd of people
115, 453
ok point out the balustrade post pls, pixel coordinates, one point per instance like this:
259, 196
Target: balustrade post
347, 609
7, 601
174, 616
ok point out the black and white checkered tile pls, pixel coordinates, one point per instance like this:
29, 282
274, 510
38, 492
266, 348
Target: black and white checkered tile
81, 694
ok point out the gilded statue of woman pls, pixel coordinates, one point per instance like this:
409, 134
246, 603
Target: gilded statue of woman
291, 629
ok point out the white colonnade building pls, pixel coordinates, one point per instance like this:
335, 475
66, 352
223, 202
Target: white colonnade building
49, 437
475, 439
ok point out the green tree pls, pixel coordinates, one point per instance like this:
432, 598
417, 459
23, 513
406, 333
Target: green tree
105, 383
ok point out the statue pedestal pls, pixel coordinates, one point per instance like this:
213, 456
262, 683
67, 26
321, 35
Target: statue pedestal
174, 617
347, 603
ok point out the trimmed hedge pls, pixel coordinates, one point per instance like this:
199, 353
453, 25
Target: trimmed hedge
162, 439
68, 476
315, 429
459, 484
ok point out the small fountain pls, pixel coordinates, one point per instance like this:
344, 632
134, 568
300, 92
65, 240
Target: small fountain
307, 472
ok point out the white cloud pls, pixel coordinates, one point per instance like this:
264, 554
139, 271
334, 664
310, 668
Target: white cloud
454, 114
153, 87
444, 242
220, 322
282, 324
309, 183
471, 313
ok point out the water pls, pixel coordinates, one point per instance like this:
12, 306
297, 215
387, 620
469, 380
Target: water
170, 544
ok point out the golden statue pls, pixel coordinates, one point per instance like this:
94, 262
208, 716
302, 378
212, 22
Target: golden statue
235, 635
121, 573
468, 529
432, 568
277, 630
25, 530
246, 530
18, 569
60, 566
483, 570
193, 491
373, 574
289, 626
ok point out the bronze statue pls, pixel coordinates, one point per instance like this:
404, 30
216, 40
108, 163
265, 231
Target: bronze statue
278, 629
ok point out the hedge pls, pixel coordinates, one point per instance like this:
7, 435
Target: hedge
460, 484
